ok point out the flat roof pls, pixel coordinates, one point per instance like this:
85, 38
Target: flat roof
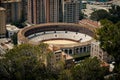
10, 1
1, 8
12, 28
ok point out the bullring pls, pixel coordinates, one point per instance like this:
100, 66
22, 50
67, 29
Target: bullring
80, 34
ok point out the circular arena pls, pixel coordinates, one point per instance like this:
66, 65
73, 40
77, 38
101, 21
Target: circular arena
71, 38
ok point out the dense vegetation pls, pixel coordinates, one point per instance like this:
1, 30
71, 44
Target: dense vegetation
109, 37
99, 14
14, 39
25, 62
113, 14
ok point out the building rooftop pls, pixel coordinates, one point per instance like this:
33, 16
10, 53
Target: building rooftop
1, 8
89, 22
96, 42
10, 1
12, 28
6, 43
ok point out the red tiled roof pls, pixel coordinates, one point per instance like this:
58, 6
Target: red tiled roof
89, 22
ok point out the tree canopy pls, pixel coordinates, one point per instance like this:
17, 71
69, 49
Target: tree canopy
65, 75
99, 14
89, 69
14, 39
109, 37
113, 14
24, 62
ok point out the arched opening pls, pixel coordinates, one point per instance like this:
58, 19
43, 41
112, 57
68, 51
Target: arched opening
70, 51
84, 49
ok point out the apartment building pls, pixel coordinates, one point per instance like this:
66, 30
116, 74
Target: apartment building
36, 11
42, 11
13, 10
55, 10
71, 10
2, 22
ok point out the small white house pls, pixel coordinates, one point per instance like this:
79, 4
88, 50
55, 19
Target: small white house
11, 30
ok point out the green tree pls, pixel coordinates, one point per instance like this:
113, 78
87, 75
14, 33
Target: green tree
24, 62
43, 47
19, 24
3, 72
14, 39
81, 16
114, 13
109, 37
65, 75
89, 69
99, 15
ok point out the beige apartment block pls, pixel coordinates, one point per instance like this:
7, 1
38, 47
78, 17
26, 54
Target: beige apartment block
36, 11
2, 22
13, 9
42, 11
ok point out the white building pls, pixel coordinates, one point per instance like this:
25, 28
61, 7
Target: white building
58, 56
96, 51
11, 29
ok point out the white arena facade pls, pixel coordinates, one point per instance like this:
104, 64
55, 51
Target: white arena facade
70, 38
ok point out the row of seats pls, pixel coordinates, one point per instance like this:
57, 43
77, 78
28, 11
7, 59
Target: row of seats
59, 34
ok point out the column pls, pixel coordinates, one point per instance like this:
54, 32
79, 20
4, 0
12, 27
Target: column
68, 51
75, 51
63, 50
72, 51
79, 50
82, 49
86, 49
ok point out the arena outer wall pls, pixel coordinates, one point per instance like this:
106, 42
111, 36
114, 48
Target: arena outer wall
88, 30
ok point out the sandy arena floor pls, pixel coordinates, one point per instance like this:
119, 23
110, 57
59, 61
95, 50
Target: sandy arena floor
60, 42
